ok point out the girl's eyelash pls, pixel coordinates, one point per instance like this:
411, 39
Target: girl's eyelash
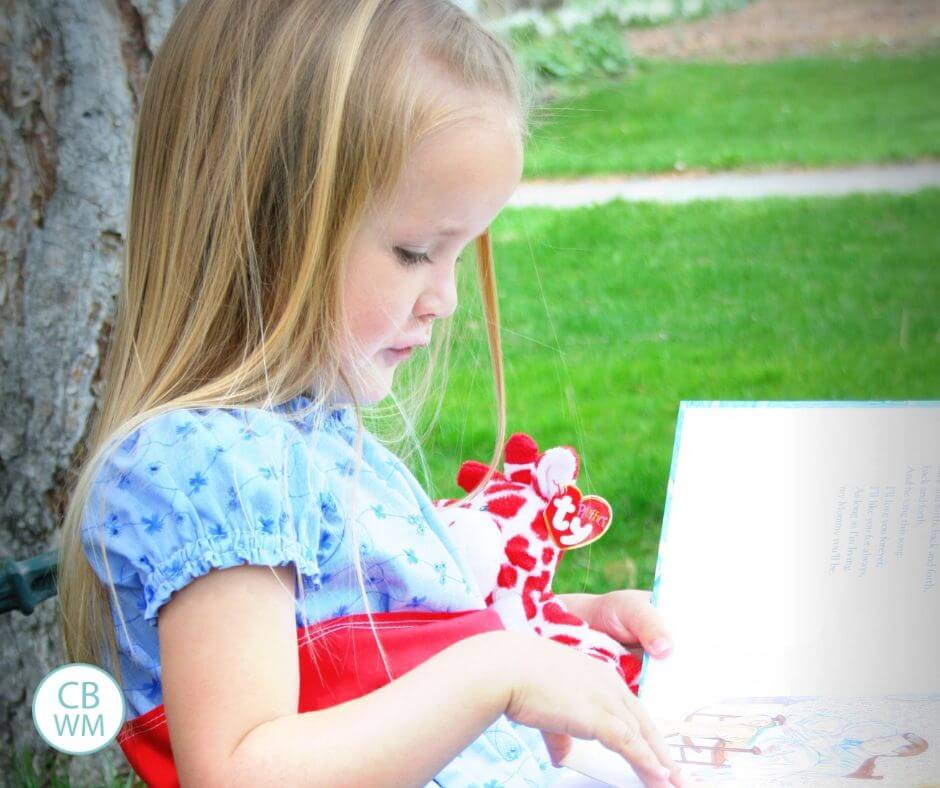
413, 258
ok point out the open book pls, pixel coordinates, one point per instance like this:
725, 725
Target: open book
798, 576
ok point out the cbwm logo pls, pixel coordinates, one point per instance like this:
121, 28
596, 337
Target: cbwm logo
78, 708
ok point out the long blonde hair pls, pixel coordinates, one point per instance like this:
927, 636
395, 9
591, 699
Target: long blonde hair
266, 129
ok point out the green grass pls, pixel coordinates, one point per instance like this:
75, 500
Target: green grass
613, 314
719, 116
47, 768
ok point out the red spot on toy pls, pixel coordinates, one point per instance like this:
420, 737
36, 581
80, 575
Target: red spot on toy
523, 476
555, 615
505, 505
535, 583
529, 606
538, 527
507, 577
517, 551
566, 640
630, 664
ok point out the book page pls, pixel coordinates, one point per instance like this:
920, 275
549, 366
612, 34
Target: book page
797, 573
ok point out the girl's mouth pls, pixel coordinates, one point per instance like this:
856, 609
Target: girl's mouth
399, 354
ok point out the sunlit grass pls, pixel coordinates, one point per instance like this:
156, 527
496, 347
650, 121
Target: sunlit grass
804, 112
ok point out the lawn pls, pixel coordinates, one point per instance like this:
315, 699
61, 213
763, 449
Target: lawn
612, 314
804, 112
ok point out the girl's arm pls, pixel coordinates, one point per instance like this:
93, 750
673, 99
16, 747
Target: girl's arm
231, 681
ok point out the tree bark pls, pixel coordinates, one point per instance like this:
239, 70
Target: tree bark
71, 77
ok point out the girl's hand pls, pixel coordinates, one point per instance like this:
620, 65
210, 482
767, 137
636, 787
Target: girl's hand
626, 615
565, 693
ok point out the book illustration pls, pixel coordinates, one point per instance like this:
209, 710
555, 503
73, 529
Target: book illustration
809, 740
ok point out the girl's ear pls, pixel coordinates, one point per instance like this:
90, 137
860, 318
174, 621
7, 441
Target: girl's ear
556, 469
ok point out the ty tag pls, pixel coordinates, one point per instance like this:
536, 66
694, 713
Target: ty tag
574, 520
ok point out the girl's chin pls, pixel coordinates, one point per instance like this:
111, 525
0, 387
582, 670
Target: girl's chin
378, 388
375, 383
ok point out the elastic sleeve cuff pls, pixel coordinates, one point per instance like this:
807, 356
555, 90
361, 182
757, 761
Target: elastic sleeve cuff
198, 556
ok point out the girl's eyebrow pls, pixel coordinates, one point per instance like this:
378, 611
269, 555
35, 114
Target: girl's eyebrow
444, 231
447, 229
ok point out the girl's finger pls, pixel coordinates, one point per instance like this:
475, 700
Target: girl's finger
558, 746
623, 736
651, 733
637, 617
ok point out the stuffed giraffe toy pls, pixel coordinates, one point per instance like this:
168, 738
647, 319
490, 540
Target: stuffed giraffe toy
514, 533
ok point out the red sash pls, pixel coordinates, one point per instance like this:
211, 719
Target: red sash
408, 638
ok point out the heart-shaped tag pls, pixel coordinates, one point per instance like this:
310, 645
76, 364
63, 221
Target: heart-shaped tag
574, 520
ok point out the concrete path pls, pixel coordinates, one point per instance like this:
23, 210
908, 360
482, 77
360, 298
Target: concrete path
897, 179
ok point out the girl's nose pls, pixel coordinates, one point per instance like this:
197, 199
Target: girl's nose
439, 298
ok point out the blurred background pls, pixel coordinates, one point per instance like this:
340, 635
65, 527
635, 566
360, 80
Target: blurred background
722, 199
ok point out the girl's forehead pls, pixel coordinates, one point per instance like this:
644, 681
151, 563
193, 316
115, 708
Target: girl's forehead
456, 180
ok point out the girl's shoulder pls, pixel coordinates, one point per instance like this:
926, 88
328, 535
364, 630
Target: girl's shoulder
190, 490
229, 438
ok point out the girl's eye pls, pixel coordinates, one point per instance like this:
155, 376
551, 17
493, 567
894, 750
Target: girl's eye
413, 258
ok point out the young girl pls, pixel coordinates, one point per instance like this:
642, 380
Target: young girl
252, 564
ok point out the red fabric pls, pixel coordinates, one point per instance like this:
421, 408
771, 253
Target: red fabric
408, 638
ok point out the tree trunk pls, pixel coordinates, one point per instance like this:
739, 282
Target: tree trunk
71, 76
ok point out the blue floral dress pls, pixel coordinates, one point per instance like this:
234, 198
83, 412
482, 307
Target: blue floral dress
196, 489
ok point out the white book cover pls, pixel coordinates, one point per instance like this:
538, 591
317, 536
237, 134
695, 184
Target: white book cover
798, 577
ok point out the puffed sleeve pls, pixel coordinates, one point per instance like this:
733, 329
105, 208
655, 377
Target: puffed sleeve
191, 490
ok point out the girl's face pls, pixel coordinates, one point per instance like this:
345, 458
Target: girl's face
400, 275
